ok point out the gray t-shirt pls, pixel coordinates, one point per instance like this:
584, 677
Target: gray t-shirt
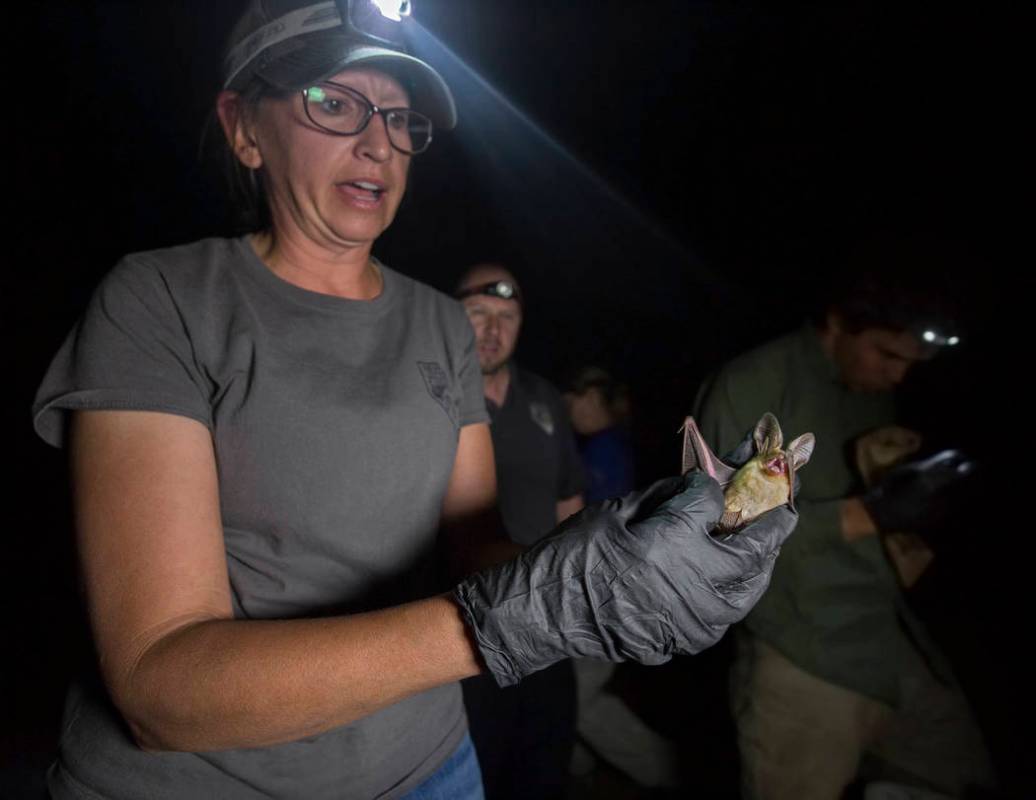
335, 427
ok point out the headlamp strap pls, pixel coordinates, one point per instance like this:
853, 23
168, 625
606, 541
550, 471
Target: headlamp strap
503, 289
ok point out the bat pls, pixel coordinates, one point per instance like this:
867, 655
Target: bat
763, 482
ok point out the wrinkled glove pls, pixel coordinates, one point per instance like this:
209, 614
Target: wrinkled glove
916, 495
636, 578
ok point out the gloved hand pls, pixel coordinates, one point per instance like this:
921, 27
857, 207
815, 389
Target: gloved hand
915, 495
636, 578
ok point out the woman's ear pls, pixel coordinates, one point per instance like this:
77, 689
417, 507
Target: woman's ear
238, 128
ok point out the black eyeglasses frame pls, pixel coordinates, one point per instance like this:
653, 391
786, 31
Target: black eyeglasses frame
372, 110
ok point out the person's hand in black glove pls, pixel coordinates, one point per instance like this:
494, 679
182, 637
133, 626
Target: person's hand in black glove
636, 578
916, 495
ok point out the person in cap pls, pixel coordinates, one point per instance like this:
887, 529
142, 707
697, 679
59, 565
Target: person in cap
523, 734
267, 434
538, 470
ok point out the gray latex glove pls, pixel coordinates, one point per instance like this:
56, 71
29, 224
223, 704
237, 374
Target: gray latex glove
635, 578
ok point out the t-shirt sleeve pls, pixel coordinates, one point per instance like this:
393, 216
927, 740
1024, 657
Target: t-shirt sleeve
469, 374
130, 351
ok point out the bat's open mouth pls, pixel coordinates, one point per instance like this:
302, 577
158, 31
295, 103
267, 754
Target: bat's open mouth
777, 465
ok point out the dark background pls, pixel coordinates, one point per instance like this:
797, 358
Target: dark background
673, 182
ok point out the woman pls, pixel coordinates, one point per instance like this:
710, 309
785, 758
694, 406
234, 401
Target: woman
266, 434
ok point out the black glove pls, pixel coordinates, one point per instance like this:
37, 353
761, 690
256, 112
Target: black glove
916, 495
636, 578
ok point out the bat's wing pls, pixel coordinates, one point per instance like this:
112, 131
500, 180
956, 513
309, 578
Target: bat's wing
698, 455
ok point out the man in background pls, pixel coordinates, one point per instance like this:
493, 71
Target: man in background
523, 734
834, 678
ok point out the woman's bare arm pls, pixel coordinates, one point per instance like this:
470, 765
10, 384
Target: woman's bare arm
185, 675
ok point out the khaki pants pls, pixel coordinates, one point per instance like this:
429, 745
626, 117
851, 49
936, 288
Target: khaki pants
616, 734
804, 738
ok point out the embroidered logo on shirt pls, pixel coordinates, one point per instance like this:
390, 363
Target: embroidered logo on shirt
540, 413
438, 384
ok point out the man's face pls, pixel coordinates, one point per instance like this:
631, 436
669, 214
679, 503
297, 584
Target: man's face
496, 322
876, 359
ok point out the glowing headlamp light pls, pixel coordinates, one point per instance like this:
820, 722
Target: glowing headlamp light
503, 289
380, 20
934, 337
393, 9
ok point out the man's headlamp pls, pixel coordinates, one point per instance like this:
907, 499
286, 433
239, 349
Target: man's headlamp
504, 289
933, 336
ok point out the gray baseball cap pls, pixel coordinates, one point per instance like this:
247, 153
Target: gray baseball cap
293, 43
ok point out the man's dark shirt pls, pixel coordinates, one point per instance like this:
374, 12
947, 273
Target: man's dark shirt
524, 733
536, 459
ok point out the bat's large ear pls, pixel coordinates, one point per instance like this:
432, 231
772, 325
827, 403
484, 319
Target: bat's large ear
768, 436
698, 455
800, 450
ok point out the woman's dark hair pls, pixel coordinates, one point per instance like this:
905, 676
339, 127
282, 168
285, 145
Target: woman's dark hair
244, 186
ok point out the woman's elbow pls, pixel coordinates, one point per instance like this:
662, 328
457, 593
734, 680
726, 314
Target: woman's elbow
151, 701
152, 728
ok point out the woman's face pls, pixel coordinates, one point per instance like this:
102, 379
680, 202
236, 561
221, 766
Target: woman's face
336, 191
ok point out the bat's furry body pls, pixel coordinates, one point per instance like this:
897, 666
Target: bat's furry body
763, 482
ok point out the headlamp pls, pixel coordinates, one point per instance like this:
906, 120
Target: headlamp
379, 20
933, 336
504, 289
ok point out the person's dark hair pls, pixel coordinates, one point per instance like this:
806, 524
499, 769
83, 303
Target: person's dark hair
894, 283
614, 394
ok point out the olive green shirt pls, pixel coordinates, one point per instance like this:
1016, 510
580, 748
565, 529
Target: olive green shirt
833, 607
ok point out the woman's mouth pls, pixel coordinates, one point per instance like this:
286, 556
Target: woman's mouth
364, 193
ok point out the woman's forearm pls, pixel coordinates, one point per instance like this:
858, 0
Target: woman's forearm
221, 684
183, 672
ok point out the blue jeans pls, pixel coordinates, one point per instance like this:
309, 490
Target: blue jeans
459, 778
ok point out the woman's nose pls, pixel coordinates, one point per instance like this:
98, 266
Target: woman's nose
374, 140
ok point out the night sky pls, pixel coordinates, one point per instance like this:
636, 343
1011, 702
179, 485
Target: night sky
673, 182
